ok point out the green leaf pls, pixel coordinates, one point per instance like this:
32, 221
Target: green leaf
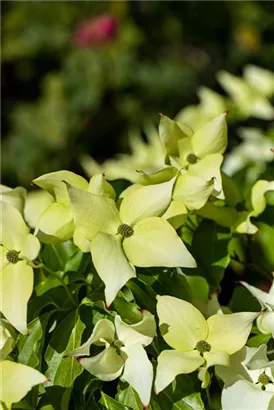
62, 370
129, 397
262, 247
93, 404
233, 194
181, 387
236, 248
91, 386
56, 298
56, 398
74, 262
269, 196
50, 282
30, 346
199, 288
128, 311
210, 249
258, 340
111, 404
22, 405
172, 283
243, 301
190, 402
56, 256
142, 296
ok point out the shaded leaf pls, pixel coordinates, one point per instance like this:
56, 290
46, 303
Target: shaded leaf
56, 256
74, 262
141, 295
67, 336
258, 340
128, 311
210, 249
129, 397
55, 397
30, 346
262, 247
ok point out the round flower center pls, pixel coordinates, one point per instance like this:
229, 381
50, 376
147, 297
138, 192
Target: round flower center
125, 230
264, 380
202, 346
191, 158
12, 256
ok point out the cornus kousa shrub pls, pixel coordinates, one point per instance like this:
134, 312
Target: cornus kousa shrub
150, 291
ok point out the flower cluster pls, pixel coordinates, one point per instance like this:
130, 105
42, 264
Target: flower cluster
248, 96
143, 228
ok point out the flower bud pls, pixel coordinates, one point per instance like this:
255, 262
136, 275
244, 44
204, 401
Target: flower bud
97, 30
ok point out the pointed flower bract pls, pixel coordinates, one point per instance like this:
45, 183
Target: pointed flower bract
197, 343
133, 236
17, 381
249, 380
124, 354
18, 247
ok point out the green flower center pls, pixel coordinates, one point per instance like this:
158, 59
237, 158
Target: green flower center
264, 379
202, 346
12, 256
125, 230
192, 158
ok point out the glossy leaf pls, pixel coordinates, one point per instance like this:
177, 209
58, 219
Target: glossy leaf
210, 243
109, 403
129, 397
30, 346
62, 370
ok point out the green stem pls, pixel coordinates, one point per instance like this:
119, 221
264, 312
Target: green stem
209, 402
153, 344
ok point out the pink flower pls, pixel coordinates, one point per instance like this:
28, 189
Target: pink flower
97, 30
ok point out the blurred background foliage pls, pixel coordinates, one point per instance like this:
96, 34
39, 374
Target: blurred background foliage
77, 77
